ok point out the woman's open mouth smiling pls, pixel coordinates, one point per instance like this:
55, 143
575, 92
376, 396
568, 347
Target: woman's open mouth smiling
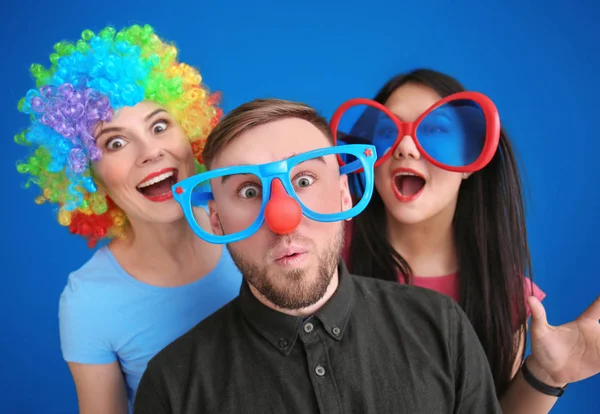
157, 186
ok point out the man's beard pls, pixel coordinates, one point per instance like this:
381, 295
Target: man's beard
295, 290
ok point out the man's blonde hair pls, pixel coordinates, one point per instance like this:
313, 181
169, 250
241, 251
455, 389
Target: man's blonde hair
253, 114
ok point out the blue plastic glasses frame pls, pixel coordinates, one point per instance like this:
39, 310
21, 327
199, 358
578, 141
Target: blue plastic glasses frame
184, 193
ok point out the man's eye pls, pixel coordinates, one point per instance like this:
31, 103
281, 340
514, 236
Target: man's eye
249, 191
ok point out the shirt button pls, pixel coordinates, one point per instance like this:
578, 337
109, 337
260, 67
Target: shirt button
283, 343
336, 331
308, 327
320, 371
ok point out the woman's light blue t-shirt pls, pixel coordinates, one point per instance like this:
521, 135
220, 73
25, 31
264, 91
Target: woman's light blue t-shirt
106, 315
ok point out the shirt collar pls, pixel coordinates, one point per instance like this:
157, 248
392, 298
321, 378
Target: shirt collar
281, 330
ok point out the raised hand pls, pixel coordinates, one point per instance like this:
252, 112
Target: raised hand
565, 353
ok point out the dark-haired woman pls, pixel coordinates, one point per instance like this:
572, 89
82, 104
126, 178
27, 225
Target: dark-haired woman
447, 214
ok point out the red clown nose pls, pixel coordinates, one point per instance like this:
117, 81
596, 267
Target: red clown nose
283, 213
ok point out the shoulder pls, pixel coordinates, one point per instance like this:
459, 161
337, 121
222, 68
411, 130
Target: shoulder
94, 280
201, 343
86, 313
393, 290
413, 317
202, 346
407, 301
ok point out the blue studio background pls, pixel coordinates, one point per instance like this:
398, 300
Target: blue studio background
537, 60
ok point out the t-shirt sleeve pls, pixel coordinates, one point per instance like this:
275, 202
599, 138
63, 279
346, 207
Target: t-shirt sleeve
475, 389
531, 289
82, 326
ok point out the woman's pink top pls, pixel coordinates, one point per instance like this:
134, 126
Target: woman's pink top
447, 284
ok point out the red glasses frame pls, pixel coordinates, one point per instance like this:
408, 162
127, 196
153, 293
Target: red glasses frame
490, 113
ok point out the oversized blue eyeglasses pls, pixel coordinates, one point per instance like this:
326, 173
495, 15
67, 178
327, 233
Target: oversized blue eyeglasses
278, 193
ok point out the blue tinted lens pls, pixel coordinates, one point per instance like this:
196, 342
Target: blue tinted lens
453, 134
364, 124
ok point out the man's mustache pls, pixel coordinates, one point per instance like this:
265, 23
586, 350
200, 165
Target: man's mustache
282, 241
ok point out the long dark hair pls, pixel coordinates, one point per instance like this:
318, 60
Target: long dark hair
490, 237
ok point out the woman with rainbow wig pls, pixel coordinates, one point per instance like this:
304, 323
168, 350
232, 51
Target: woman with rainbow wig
116, 120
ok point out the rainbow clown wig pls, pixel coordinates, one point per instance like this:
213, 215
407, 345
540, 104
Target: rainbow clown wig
87, 83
